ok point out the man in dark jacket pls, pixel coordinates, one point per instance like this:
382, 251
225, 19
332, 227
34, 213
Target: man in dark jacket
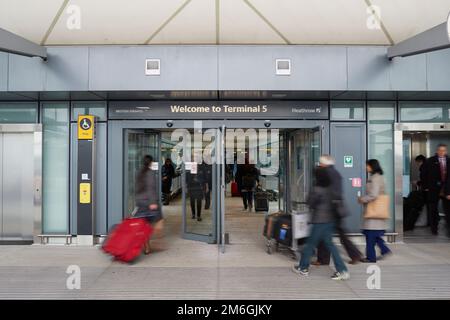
323, 255
436, 185
247, 178
167, 174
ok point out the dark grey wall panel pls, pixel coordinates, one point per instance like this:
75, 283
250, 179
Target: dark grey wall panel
368, 68
182, 68
253, 68
67, 70
3, 71
101, 180
409, 73
438, 67
26, 74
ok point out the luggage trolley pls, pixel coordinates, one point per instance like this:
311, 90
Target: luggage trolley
284, 230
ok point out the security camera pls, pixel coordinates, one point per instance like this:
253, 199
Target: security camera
267, 123
169, 124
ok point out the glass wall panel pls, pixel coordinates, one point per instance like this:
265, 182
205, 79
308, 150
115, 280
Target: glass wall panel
348, 110
18, 112
381, 116
424, 111
55, 120
97, 108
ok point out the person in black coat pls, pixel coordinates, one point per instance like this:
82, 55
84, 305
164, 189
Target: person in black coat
247, 178
196, 182
167, 175
436, 185
323, 255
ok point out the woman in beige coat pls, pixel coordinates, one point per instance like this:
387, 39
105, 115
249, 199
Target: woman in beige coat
374, 229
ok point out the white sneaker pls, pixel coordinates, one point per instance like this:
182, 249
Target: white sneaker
297, 270
341, 275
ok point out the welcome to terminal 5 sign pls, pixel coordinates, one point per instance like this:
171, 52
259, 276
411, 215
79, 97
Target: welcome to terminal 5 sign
218, 110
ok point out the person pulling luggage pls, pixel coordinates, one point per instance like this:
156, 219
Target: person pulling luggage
147, 200
323, 223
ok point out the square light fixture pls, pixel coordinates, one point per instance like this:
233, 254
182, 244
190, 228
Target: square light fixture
152, 67
283, 67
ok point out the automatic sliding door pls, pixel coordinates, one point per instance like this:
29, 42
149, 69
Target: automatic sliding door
197, 153
304, 153
139, 143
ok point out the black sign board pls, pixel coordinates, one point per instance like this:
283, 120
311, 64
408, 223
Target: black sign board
267, 110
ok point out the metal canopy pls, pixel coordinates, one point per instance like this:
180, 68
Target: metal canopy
12, 43
436, 38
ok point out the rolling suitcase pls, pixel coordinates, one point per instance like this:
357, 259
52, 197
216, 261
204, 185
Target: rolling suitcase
126, 241
234, 189
283, 230
261, 201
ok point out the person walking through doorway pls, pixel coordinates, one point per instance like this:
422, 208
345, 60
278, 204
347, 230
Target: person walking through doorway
323, 255
436, 185
167, 175
146, 198
374, 229
247, 178
323, 222
196, 186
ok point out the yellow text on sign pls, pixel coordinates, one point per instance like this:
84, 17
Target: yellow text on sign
85, 193
85, 127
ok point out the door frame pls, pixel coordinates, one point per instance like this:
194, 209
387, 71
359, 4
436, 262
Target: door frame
116, 129
36, 130
399, 129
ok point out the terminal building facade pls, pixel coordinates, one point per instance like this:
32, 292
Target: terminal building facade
349, 101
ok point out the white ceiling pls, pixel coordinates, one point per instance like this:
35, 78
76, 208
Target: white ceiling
220, 21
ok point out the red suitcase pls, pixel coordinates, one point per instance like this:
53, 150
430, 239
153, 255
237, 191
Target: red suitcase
126, 241
234, 189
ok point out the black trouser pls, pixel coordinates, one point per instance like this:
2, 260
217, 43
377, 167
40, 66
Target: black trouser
207, 199
433, 213
196, 199
323, 255
247, 198
166, 191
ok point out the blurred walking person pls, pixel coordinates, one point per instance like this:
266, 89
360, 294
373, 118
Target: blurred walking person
323, 223
323, 255
374, 228
147, 200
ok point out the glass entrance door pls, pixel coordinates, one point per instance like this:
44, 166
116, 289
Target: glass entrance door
138, 144
195, 154
304, 152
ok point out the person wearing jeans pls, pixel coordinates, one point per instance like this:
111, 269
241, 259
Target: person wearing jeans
323, 219
374, 229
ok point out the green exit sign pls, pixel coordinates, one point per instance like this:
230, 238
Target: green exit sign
348, 161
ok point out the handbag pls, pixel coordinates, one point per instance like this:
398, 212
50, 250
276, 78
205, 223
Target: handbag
378, 208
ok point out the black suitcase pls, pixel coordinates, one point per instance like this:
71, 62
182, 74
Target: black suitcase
412, 207
283, 230
271, 223
261, 201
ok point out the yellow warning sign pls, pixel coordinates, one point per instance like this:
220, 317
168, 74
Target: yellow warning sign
85, 127
85, 193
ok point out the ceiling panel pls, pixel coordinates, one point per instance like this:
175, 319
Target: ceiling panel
194, 24
114, 21
239, 24
406, 18
321, 21
28, 18
298, 21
